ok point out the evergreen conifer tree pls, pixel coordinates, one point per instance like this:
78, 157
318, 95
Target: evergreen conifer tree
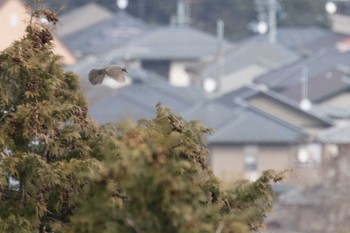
61, 172
46, 136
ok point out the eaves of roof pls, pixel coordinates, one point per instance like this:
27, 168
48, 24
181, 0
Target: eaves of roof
313, 113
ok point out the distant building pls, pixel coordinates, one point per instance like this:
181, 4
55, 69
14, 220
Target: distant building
95, 36
248, 60
167, 51
269, 126
13, 21
82, 18
339, 16
326, 83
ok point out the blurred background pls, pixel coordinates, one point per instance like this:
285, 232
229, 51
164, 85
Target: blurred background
271, 77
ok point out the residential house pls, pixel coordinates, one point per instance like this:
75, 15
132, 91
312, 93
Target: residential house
307, 41
135, 99
103, 35
167, 51
321, 207
248, 141
313, 121
14, 18
257, 56
336, 142
322, 78
242, 64
340, 23
139, 99
340, 19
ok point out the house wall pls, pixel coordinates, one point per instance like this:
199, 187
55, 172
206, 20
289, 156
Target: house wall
13, 22
283, 112
241, 77
339, 101
228, 162
12, 14
160, 67
340, 23
178, 75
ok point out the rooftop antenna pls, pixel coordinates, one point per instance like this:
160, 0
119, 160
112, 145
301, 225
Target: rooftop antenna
305, 104
220, 32
213, 84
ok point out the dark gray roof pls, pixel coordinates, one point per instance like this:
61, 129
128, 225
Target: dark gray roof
321, 87
318, 64
334, 112
170, 43
307, 40
211, 113
249, 92
337, 135
313, 113
139, 99
254, 51
231, 97
254, 126
105, 35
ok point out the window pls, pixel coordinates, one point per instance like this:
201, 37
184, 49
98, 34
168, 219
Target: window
250, 158
309, 155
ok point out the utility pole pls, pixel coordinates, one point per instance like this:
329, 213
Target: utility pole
220, 69
181, 12
188, 10
141, 9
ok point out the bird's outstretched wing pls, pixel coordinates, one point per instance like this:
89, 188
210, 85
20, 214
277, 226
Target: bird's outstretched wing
116, 73
96, 76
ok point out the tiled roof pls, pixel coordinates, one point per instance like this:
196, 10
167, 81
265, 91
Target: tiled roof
105, 35
254, 126
257, 51
80, 18
135, 100
248, 59
338, 135
318, 64
211, 113
320, 87
139, 98
249, 92
231, 97
170, 43
307, 40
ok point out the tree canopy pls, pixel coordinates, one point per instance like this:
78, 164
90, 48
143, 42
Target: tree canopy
61, 172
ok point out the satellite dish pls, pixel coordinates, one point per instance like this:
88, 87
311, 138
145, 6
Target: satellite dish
122, 4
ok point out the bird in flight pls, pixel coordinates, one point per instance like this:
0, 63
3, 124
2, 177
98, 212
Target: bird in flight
96, 76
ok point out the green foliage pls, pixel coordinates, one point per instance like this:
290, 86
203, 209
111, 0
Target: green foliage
46, 136
163, 184
75, 176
